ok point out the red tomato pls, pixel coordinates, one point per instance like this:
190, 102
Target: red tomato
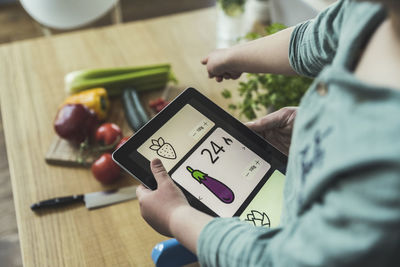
152, 103
155, 102
105, 170
108, 133
160, 106
123, 141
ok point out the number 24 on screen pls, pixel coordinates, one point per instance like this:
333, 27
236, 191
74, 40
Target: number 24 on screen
216, 149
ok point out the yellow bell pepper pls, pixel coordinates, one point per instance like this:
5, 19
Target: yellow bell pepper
95, 99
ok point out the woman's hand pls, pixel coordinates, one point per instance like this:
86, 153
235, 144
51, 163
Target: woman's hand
276, 128
158, 206
167, 210
219, 65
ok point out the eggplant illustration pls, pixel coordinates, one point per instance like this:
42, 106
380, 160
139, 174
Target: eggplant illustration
219, 189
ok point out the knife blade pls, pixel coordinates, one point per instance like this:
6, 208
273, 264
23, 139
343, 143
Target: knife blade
91, 200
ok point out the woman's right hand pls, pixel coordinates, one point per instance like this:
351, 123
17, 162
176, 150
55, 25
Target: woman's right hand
219, 65
276, 127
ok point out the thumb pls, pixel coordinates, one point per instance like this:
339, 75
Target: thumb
158, 170
255, 126
250, 124
204, 60
268, 122
141, 191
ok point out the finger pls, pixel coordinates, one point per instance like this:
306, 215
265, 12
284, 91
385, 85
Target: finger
158, 170
227, 76
204, 60
253, 125
268, 122
250, 124
272, 120
218, 78
141, 191
235, 76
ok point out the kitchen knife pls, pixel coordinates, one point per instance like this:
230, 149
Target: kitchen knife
91, 200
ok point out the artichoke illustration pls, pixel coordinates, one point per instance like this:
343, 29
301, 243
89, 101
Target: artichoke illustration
258, 218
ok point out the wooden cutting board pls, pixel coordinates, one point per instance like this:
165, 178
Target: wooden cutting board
61, 152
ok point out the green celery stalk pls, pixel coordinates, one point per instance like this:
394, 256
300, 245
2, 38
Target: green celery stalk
116, 79
123, 79
152, 85
97, 73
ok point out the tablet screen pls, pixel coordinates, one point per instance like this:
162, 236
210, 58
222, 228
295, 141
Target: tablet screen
222, 167
221, 172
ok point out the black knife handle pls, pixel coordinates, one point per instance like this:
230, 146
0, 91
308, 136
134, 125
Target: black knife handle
57, 202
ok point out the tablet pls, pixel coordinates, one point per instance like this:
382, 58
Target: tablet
222, 166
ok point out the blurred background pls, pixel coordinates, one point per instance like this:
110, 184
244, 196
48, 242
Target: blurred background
27, 19
17, 24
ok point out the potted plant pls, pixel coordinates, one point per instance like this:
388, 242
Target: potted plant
230, 15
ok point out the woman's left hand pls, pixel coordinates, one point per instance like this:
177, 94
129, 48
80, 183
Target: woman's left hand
158, 206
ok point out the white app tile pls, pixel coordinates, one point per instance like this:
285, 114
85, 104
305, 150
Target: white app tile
221, 173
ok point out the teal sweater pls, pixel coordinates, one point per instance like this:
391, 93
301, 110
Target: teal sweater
342, 191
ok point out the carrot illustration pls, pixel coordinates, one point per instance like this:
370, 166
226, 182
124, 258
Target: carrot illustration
219, 189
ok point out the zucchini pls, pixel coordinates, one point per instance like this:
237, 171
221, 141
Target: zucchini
135, 114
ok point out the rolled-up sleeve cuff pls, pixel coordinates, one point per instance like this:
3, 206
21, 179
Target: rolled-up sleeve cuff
211, 237
296, 57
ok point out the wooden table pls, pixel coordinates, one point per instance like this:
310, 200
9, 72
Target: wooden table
31, 89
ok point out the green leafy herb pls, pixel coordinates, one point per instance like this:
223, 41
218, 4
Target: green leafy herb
232, 8
226, 93
274, 28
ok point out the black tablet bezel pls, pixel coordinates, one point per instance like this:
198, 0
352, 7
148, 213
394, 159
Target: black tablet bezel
139, 167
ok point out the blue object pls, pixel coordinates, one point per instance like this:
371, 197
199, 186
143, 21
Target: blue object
171, 253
